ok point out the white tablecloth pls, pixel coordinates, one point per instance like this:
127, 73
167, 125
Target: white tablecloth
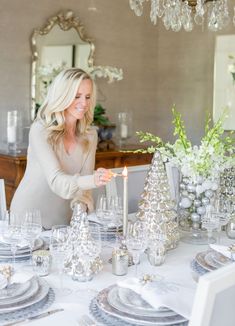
176, 268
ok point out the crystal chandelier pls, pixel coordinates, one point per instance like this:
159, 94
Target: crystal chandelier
176, 14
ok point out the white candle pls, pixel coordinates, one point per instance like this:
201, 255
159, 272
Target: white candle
124, 130
11, 134
125, 200
11, 126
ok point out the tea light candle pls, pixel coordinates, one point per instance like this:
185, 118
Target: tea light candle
125, 200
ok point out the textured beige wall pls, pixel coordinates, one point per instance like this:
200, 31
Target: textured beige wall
160, 67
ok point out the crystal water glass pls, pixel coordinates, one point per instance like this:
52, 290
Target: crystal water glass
12, 232
210, 222
31, 228
59, 249
136, 240
107, 214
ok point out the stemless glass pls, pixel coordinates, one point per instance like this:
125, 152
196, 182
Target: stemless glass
59, 249
136, 240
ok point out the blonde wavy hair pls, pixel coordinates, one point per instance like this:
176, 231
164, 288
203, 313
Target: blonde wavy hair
60, 96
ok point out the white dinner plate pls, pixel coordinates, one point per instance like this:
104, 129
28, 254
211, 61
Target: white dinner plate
40, 295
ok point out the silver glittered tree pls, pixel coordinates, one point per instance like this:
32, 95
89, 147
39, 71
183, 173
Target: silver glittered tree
156, 206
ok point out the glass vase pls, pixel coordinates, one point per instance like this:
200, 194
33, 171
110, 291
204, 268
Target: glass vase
194, 198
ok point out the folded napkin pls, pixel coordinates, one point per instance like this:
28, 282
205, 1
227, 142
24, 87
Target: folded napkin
224, 250
3, 282
21, 277
162, 293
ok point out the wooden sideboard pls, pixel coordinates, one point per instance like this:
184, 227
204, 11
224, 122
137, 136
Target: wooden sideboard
12, 167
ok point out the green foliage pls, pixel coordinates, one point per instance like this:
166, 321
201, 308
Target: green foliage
99, 116
215, 152
180, 129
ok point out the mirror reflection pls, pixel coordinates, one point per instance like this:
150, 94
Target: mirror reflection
62, 43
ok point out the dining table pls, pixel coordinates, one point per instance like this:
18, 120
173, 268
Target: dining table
176, 268
75, 305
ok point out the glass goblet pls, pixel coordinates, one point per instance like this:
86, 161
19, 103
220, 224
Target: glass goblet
136, 240
210, 222
59, 249
30, 232
12, 232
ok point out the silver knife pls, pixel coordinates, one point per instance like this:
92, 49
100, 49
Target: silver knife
42, 315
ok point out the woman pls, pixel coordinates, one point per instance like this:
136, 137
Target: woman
61, 152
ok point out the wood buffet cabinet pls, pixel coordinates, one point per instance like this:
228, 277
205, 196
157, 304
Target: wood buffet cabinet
12, 167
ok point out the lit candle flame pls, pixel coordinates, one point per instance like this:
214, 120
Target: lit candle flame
125, 172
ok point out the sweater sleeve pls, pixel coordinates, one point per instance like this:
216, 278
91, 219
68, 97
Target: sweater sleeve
61, 183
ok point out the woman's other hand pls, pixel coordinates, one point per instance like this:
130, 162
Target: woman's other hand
102, 176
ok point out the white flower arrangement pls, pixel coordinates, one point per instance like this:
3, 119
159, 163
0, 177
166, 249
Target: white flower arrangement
207, 160
45, 74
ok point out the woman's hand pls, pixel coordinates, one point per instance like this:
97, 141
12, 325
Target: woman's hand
102, 176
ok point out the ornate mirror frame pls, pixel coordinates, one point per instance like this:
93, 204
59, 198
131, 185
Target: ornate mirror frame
66, 21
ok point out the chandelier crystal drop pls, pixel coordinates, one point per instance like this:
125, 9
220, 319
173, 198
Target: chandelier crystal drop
177, 14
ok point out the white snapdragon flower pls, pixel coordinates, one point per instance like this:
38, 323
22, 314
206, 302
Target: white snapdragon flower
231, 68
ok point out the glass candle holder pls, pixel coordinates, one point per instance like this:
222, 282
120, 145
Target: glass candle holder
14, 131
124, 127
156, 253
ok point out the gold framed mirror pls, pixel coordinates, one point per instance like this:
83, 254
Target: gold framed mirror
62, 43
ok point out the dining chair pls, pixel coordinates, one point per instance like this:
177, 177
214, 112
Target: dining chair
3, 206
214, 299
136, 179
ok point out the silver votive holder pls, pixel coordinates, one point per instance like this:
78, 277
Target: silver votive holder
41, 262
156, 254
120, 261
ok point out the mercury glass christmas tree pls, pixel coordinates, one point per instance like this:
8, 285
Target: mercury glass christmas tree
156, 206
83, 260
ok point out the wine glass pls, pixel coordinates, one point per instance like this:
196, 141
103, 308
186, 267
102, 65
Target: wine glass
104, 216
31, 228
12, 232
222, 211
210, 221
59, 248
136, 240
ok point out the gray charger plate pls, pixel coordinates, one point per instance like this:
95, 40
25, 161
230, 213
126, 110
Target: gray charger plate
40, 295
107, 319
30, 311
30, 292
140, 310
103, 305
